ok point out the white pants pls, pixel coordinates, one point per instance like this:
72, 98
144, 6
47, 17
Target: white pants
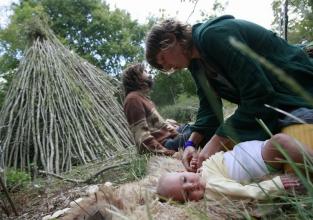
245, 161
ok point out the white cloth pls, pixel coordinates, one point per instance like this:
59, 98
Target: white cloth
245, 162
219, 184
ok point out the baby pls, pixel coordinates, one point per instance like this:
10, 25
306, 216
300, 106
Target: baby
182, 186
227, 173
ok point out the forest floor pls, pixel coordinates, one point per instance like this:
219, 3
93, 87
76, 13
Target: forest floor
47, 194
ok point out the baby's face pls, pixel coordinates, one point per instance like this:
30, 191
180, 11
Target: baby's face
184, 186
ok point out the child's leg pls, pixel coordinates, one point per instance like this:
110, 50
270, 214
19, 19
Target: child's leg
272, 156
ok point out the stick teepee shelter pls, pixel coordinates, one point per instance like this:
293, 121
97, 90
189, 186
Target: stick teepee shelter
60, 110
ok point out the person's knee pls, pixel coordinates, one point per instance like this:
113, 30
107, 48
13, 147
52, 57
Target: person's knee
270, 148
282, 139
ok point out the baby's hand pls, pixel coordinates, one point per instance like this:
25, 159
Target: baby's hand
292, 183
194, 161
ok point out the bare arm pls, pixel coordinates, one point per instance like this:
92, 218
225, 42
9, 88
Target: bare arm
217, 143
196, 138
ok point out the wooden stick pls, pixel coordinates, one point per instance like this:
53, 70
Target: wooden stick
8, 196
89, 180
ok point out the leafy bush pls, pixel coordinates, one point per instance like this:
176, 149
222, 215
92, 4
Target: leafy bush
186, 108
167, 89
16, 179
183, 111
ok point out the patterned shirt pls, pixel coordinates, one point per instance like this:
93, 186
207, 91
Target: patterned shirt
148, 127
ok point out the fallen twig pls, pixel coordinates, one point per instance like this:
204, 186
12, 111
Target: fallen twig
61, 177
89, 180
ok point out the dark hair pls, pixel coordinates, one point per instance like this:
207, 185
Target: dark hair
161, 36
132, 78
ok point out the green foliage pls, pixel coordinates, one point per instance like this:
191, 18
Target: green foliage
186, 107
167, 88
184, 111
14, 37
300, 16
108, 39
105, 38
17, 180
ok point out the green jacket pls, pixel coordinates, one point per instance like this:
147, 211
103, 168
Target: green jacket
226, 73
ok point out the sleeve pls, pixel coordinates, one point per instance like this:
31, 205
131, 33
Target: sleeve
247, 75
136, 116
229, 187
209, 115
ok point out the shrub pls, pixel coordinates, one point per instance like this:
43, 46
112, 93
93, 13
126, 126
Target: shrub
183, 111
186, 108
16, 180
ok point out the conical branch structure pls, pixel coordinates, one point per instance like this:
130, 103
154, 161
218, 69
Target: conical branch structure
60, 111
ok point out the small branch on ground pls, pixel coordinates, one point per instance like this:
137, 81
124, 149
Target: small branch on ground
89, 180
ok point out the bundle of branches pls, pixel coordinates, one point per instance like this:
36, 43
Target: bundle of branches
60, 110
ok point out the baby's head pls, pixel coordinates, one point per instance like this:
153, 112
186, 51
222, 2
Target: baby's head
181, 186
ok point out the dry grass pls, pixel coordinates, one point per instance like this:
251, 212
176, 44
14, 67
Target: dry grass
134, 197
137, 200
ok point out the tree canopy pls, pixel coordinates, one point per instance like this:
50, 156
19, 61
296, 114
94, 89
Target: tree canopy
107, 38
110, 39
167, 88
300, 19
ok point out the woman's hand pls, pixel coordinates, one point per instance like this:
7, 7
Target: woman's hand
189, 154
216, 144
194, 162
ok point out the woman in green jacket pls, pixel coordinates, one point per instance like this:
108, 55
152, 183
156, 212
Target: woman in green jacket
220, 71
